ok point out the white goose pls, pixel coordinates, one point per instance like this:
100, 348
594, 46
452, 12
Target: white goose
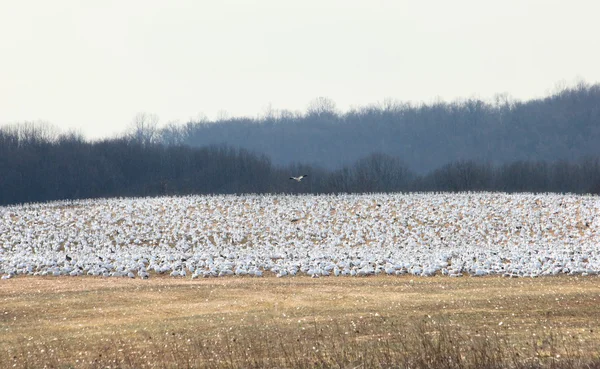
298, 179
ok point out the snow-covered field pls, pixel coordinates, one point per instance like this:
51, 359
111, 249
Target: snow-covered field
345, 235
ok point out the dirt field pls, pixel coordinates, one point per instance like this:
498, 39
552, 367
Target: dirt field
299, 322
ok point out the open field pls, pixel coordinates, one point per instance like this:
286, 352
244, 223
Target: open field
377, 321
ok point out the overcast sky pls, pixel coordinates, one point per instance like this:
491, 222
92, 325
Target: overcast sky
92, 65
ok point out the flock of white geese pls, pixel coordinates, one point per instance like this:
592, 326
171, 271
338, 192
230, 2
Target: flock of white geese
467, 234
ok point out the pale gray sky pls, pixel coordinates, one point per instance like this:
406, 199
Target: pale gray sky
92, 65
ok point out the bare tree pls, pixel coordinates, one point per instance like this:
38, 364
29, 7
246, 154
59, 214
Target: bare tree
321, 106
223, 115
32, 132
172, 134
144, 129
390, 105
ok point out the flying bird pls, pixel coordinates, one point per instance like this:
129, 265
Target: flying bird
298, 179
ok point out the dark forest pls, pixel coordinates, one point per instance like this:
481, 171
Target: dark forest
544, 145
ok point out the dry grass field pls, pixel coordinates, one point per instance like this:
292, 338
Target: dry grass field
383, 321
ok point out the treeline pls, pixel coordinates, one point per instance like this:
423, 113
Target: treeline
37, 165
562, 126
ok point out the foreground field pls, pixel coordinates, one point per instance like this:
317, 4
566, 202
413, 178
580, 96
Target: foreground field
379, 321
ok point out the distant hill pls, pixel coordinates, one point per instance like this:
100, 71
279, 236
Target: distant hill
562, 126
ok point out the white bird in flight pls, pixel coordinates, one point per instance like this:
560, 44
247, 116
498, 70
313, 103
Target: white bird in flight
298, 179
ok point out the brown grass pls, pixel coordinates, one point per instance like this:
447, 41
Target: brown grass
300, 322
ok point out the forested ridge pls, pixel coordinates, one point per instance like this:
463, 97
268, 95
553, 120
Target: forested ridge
562, 126
544, 145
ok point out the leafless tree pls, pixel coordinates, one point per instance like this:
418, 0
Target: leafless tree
144, 129
321, 106
171, 133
